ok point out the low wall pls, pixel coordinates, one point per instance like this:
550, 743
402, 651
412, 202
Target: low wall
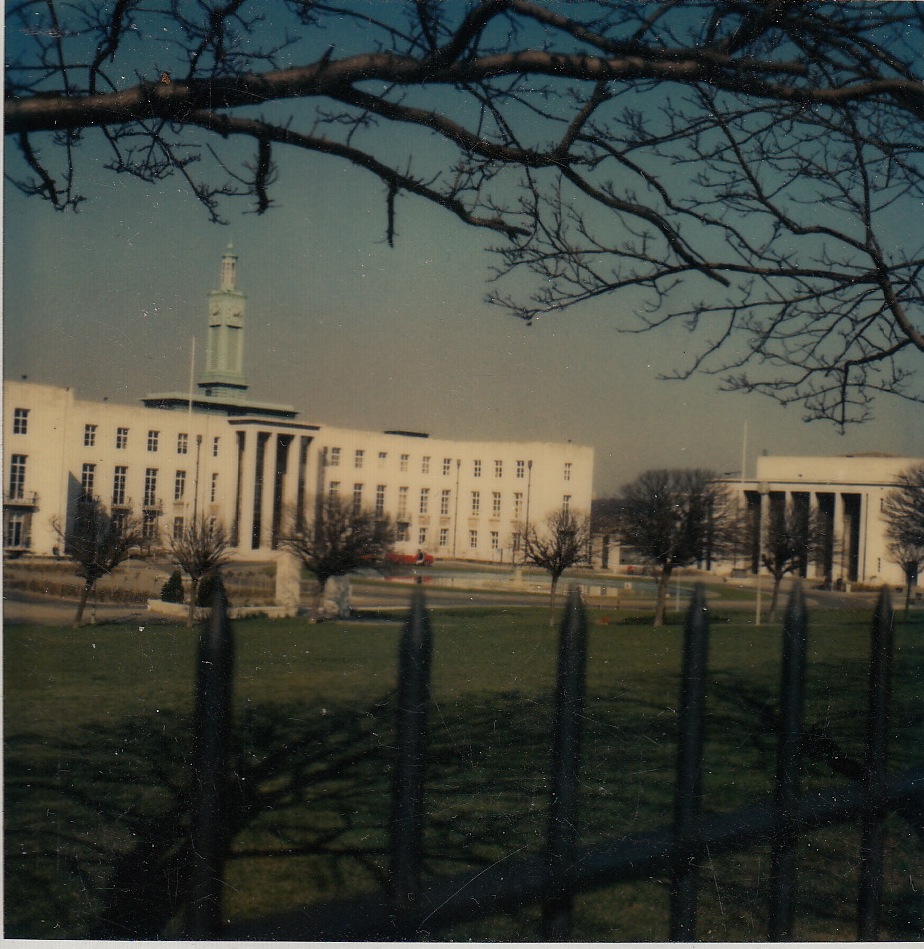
180, 611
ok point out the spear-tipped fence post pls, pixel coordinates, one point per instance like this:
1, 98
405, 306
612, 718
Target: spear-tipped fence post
563, 806
689, 765
408, 799
212, 731
788, 768
874, 770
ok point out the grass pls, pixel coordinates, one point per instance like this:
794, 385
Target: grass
97, 741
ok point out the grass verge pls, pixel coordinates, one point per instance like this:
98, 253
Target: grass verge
97, 742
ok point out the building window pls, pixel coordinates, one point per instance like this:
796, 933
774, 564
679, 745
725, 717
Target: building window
517, 504
477, 468
401, 530
17, 476
498, 469
357, 497
182, 443
334, 458
567, 471
425, 464
444, 501
383, 455
89, 435
404, 461
473, 539
121, 438
424, 500
516, 541
213, 492
14, 534
334, 489
179, 486
149, 525
566, 503
379, 500
447, 465
150, 487
521, 469
444, 537
20, 421
495, 540
118, 485
153, 438
358, 458
476, 502
402, 501
215, 442
178, 524
496, 504
87, 480
422, 537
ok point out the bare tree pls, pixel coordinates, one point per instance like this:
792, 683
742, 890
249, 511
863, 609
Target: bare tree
747, 170
903, 512
675, 518
562, 543
339, 541
200, 548
98, 542
792, 538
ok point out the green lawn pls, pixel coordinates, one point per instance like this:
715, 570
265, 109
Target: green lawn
97, 738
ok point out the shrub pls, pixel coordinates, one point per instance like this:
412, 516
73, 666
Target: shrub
172, 590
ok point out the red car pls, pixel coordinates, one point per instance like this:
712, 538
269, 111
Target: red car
420, 559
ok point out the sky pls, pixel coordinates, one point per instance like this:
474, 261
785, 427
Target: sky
355, 333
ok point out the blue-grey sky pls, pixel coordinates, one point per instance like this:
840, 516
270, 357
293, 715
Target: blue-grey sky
355, 333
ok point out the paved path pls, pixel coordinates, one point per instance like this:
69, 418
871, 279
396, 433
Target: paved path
20, 607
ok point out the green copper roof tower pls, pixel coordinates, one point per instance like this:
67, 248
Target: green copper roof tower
224, 351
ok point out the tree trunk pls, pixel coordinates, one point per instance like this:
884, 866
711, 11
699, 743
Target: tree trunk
664, 582
552, 588
193, 600
771, 613
909, 575
82, 602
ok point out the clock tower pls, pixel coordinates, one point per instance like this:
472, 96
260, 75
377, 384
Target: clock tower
224, 351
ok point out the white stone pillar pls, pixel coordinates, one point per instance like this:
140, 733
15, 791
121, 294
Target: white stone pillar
288, 582
247, 476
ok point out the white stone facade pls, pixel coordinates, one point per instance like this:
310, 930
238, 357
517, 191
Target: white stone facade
451, 499
251, 465
848, 491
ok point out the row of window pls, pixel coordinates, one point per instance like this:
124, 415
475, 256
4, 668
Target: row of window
423, 537
21, 427
359, 458
445, 500
153, 439
120, 477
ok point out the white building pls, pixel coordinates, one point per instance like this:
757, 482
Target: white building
848, 492
251, 465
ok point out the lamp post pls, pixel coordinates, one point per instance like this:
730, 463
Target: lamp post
529, 488
455, 517
762, 491
196, 482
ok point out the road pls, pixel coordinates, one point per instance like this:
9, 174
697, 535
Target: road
22, 607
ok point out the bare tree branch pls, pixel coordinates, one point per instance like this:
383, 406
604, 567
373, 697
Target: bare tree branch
742, 170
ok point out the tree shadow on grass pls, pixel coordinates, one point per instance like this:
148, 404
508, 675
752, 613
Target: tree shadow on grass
97, 821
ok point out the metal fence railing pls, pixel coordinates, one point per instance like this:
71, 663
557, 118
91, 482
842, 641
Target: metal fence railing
411, 908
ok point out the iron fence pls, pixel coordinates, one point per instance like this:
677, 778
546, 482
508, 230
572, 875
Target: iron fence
411, 908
